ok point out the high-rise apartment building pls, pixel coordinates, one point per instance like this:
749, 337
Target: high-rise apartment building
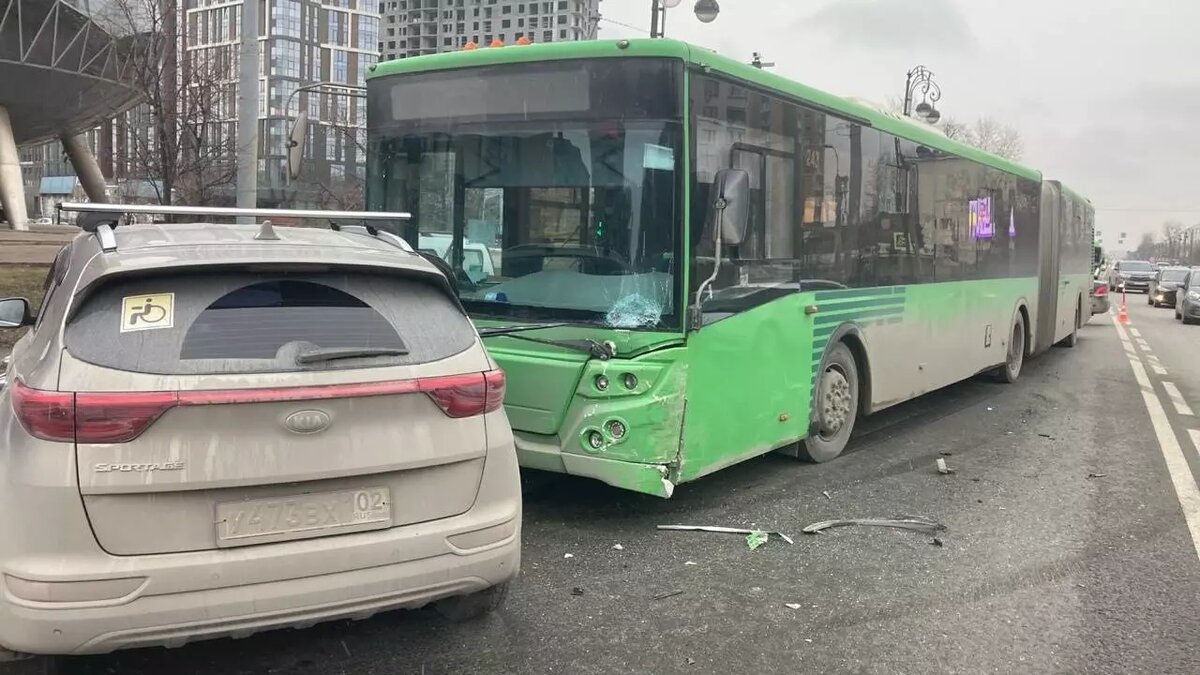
417, 27
301, 42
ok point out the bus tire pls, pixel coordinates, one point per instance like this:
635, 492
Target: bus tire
836, 406
1072, 339
1015, 358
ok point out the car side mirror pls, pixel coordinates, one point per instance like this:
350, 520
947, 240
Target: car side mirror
15, 313
730, 214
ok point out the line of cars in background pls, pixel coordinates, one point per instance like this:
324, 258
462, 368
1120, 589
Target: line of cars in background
1165, 285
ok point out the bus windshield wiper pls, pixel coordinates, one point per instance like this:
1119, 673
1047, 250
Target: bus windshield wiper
586, 345
509, 330
335, 353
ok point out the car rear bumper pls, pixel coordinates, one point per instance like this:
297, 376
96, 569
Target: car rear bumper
1099, 304
60, 596
174, 619
1191, 310
1134, 285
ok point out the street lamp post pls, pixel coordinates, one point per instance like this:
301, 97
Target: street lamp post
706, 11
921, 78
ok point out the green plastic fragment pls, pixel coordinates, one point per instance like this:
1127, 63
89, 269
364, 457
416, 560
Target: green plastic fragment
756, 538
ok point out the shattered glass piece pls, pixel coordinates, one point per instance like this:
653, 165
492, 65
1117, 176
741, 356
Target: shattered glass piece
634, 311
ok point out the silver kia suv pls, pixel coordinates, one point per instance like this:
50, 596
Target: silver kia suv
211, 430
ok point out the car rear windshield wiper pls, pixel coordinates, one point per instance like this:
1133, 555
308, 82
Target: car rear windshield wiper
335, 353
586, 345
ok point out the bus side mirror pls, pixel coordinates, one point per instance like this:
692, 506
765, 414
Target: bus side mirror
731, 206
295, 154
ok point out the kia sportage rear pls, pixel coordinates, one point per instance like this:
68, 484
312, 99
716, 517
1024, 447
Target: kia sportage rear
209, 432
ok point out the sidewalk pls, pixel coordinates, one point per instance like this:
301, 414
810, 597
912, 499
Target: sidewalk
37, 247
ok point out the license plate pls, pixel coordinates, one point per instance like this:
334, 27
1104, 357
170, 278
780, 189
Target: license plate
303, 516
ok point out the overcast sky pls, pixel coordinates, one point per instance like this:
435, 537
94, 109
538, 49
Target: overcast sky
1106, 93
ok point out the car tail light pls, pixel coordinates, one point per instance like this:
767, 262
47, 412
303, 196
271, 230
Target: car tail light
495, 390
119, 418
1102, 289
105, 417
49, 415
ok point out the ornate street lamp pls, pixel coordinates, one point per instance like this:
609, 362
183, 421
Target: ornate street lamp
921, 78
705, 10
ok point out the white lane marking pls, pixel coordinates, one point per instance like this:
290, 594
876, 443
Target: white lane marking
1177, 399
1155, 365
1195, 434
1134, 332
1186, 490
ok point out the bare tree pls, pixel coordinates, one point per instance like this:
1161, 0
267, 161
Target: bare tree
1147, 248
987, 134
182, 137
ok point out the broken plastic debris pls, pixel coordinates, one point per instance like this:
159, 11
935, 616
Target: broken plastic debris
1097, 475
568, 555
756, 538
942, 468
904, 523
724, 530
618, 547
668, 594
634, 311
826, 493
792, 605
577, 591
689, 563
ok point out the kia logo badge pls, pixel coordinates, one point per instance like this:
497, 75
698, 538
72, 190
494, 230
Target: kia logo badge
307, 421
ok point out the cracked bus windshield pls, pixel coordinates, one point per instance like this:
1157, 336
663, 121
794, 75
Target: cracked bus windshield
562, 220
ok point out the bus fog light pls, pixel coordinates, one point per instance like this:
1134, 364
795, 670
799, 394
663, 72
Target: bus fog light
595, 440
602, 382
616, 429
629, 380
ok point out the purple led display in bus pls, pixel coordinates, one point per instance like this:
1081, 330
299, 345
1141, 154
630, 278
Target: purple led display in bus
979, 213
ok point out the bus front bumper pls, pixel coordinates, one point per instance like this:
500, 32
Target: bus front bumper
544, 453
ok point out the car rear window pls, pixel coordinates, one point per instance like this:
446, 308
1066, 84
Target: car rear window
1173, 275
243, 323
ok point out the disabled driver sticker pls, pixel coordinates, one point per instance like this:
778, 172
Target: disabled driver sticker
147, 312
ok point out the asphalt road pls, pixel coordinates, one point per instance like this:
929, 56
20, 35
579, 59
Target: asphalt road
1067, 550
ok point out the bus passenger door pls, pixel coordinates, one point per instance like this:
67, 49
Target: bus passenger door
1049, 246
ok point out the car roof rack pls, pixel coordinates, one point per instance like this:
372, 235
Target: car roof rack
102, 219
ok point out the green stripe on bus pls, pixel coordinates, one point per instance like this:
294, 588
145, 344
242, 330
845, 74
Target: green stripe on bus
871, 303
856, 315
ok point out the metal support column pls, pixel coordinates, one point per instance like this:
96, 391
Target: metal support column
12, 187
247, 130
86, 167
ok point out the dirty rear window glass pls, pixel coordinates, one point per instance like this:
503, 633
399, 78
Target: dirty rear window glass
242, 323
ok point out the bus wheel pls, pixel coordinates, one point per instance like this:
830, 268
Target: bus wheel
1011, 370
1072, 339
836, 406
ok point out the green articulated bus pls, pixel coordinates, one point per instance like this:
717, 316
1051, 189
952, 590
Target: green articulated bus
682, 261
